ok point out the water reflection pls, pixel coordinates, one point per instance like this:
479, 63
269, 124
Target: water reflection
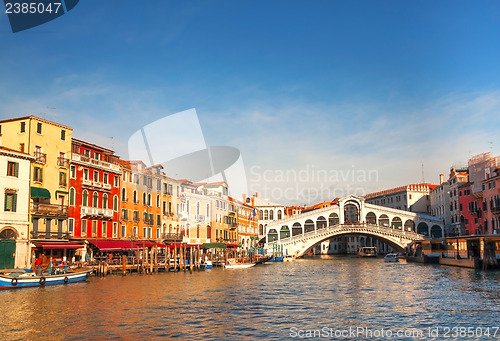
261, 302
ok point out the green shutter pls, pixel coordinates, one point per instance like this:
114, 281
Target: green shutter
7, 200
14, 202
16, 169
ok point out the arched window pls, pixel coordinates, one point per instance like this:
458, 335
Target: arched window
261, 215
158, 201
115, 203
271, 215
144, 201
208, 212
279, 214
124, 195
197, 208
95, 201
72, 196
266, 215
105, 201
85, 198
135, 197
149, 199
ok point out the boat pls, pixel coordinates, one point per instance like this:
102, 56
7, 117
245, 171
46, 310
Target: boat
263, 260
288, 258
24, 279
231, 264
239, 266
367, 251
391, 257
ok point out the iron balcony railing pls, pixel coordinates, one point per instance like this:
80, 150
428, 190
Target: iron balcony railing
52, 210
62, 162
172, 237
49, 235
40, 157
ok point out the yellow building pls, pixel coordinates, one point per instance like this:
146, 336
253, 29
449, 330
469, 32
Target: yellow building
50, 145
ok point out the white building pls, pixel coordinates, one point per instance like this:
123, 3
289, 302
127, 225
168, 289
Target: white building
267, 211
440, 202
413, 198
14, 200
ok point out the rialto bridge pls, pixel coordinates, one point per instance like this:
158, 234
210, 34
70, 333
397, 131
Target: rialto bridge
352, 215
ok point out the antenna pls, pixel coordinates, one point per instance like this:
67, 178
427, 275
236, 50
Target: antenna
491, 146
423, 177
55, 112
112, 143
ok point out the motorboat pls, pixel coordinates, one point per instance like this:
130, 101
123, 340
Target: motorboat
391, 257
367, 251
25, 279
232, 264
288, 258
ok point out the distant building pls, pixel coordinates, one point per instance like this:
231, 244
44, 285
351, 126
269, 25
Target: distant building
413, 198
491, 201
439, 198
267, 212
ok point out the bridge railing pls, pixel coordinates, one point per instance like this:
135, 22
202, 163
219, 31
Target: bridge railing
351, 228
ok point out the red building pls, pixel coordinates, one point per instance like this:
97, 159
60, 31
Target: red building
491, 202
94, 190
469, 210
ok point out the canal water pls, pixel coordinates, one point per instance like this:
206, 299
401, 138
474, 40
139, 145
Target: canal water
324, 296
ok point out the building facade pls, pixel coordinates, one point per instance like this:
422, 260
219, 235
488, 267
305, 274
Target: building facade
15, 203
413, 198
95, 182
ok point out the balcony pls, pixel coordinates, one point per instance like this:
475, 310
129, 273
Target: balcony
199, 218
172, 237
40, 157
94, 212
95, 163
97, 184
87, 182
49, 235
63, 162
106, 186
50, 210
495, 210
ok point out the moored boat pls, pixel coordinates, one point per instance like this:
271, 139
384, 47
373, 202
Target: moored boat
391, 257
288, 258
239, 266
16, 280
367, 251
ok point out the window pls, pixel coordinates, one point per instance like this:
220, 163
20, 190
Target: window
37, 174
94, 227
104, 228
10, 201
96, 176
144, 202
144, 232
13, 169
85, 174
86, 152
72, 172
115, 203
71, 225
115, 229
105, 178
21, 147
105, 201
124, 231
39, 128
124, 195
85, 198
157, 201
134, 231
117, 182
72, 196
158, 220
95, 201
63, 135
158, 234
84, 226
62, 179
136, 201
23, 127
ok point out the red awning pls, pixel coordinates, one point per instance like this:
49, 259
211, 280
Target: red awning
232, 245
112, 245
178, 245
150, 244
56, 245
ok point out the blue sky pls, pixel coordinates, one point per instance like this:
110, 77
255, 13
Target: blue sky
295, 85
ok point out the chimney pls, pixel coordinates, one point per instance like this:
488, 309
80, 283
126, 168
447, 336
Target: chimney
244, 198
441, 178
256, 194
